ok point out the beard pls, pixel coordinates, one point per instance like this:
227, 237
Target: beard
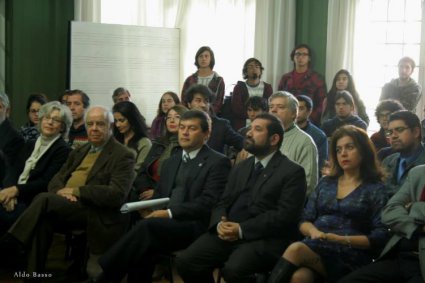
255, 149
254, 76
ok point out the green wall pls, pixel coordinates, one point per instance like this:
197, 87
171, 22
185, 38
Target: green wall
36, 50
311, 28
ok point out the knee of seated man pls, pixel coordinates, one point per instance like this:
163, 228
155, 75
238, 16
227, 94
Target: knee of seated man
234, 272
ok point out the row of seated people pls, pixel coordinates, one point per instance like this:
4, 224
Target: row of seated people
251, 223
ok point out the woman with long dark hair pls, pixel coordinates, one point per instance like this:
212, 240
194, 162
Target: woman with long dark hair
168, 100
130, 129
343, 80
342, 219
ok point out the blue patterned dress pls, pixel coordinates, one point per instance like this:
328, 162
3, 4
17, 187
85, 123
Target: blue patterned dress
359, 213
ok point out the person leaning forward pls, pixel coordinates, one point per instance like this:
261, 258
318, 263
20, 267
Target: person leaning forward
85, 194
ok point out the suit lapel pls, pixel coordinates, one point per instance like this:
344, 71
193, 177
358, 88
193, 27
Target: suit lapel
197, 164
102, 159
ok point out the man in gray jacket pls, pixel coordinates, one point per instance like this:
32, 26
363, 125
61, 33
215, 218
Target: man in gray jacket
403, 258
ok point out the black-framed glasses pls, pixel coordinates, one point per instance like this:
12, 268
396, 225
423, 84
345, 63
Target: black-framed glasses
398, 130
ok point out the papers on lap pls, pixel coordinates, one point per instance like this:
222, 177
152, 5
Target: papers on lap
153, 203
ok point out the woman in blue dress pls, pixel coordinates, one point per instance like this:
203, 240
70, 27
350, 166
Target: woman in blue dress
342, 219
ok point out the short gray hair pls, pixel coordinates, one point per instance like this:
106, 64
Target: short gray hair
64, 113
292, 100
107, 113
5, 100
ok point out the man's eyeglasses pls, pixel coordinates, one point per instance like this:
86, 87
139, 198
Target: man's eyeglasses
398, 130
299, 54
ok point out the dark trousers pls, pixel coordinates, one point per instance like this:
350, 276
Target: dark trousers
133, 254
7, 218
239, 260
48, 213
399, 268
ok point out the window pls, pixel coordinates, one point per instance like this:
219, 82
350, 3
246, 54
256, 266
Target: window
385, 31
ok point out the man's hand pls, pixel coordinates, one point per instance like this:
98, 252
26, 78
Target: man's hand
241, 156
7, 194
146, 194
158, 214
10, 206
228, 231
67, 193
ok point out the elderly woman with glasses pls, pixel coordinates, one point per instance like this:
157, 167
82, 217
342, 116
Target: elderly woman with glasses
36, 164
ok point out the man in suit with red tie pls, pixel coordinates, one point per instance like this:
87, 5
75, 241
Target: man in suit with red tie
257, 216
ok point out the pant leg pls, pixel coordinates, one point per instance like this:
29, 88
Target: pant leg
410, 266
252, 257
385, 270
7, 218
146, 238
47, 213
197, 262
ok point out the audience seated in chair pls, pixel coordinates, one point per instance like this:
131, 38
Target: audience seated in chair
86, 194
404, 132
195, 179
297, 145
344, 108
38, 161
402, 258
78, 102
131, 130
200, 97
342, 219
257, 215
168, 100
30, 131
343, 80
162, 148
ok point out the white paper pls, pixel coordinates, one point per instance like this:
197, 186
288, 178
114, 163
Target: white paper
132, 206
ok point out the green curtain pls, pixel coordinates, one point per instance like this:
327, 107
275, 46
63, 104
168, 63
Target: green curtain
311, 28
36, 50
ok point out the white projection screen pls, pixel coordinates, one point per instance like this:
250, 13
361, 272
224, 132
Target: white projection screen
145, 60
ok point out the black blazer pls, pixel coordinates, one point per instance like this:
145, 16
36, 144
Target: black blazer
204, 184
277, 198
10, 142
223, 134
47, 166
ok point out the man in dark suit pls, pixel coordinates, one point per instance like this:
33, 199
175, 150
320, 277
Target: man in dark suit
11, 141
200, 97
196, 176
257, 216
85, 194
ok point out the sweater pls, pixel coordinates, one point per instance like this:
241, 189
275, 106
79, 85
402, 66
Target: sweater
408, 95
300, 148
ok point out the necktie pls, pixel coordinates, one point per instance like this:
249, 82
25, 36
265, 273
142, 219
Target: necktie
258, 168
186, 157
401, 168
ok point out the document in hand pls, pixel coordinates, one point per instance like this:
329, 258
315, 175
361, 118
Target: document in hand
152, 203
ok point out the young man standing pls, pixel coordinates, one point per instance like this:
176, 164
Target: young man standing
404, 88
303, 80
251, 87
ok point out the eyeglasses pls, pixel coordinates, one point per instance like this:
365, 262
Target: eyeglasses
54, 120
299, 54
384, 115
398, 130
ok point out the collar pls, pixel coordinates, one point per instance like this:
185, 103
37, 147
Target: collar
95, 149
290, 127
265, 160
412, 157
192, 154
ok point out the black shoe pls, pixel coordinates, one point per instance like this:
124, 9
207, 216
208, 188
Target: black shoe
282, 271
